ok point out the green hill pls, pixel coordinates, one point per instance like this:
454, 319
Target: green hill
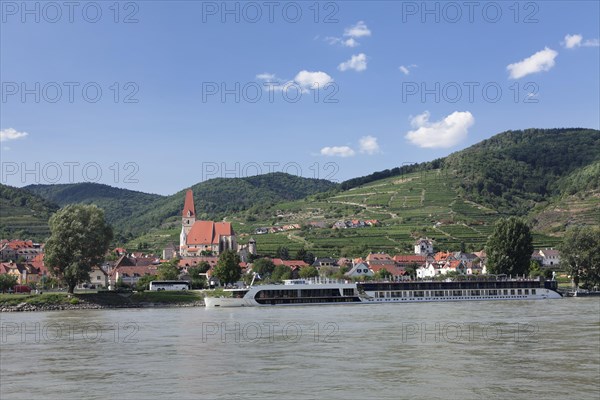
118, 204
548, 176
23, 215
134, 213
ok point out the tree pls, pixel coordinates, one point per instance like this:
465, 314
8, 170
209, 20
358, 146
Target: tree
79, 239
198, 280
228, 268
383, 274
535, 269
283, 253
300, 254
309, 258
169, 271
281, 272
7, 281
204, 267
580, 255
144, 282
263, 267
308, 271
509, 247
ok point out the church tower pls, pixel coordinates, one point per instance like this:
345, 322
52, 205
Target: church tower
188, 217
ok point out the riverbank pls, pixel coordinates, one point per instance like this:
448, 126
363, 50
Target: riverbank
98, 301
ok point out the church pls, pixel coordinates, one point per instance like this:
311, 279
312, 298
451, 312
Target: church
199, 238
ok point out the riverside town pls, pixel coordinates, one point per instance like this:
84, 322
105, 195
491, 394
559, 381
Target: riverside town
267, 200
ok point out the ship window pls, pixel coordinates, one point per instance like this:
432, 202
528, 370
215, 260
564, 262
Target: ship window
512, 291
419, 293
519, 291
526, 291
532, 291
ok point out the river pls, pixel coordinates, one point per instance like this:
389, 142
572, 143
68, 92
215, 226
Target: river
464, 350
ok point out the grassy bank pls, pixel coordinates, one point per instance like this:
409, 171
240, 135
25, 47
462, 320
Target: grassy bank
105, 299
166, 297
35, 299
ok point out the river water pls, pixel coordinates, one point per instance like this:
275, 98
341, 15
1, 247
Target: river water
463, 350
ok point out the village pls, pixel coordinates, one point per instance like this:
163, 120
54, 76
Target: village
201, 243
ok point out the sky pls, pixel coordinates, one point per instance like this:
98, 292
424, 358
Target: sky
156, 96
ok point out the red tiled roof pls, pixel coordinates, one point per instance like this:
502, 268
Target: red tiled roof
440, 256
208, 232
193, 261
188, 205
395, 271
132, 270
409, 258
378, 256
19, 244
453, 264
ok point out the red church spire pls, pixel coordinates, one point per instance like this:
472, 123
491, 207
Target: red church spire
188, 206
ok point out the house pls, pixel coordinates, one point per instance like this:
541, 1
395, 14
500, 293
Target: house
26, 273
410, 260
396, 271
130, 275
454, 266
346, 262
465, 257
376, 259
325, 262
428, 270
424, 247
19, 249
190, 262
98, 277
169, 252
443, 256
358, 270
549, 257
339, 225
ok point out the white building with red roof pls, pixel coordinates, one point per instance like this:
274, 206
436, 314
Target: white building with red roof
203, 236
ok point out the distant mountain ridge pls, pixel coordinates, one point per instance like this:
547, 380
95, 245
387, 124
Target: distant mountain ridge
132, 213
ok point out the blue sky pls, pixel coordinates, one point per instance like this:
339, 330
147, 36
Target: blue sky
354, 88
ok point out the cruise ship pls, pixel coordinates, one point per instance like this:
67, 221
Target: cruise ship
297, 292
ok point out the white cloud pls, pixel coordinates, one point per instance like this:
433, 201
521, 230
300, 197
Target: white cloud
11, 134
337, 151
368, 144
406, 68
572, 41
312, 80
350, 35
358, 63
445, 133
305, 80
358, 30
266, 77
350, 42
543, 60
